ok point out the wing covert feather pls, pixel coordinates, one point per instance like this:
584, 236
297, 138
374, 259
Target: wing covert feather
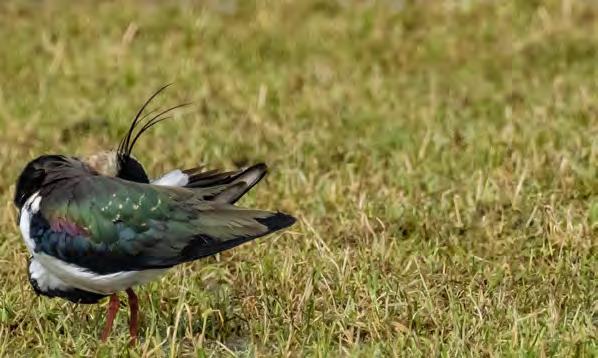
133, 226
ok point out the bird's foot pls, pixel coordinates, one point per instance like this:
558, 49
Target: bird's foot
134, 318
111, 314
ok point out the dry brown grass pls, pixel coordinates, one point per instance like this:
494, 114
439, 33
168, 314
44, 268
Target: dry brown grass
441, 157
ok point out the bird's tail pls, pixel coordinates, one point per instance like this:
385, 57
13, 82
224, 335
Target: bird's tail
228, 227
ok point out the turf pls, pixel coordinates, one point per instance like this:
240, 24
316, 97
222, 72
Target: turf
441, 157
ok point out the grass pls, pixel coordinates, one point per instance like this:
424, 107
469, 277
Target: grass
442, 158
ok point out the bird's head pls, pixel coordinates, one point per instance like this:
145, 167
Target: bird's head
115, 164
121, 163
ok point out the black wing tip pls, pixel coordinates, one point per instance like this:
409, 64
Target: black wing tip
277, 221
258, 166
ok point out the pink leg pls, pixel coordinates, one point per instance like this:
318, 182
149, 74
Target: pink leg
133, 321
111, 314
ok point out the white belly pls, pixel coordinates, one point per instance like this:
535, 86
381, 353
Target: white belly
61, 273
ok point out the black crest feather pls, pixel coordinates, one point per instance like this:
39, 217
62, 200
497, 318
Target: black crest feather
126, 145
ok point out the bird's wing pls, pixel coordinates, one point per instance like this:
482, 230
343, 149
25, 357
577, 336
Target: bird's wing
213, 185
108, 225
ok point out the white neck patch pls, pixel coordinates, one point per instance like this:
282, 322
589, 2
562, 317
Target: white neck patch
30, 207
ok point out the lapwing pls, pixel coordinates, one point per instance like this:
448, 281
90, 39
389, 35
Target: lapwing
95, 226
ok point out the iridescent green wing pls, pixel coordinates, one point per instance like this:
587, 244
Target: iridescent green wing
109, 225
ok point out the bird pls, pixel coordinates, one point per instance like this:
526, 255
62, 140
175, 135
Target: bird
97, 225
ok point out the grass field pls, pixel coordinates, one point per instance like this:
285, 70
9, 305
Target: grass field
441, 156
